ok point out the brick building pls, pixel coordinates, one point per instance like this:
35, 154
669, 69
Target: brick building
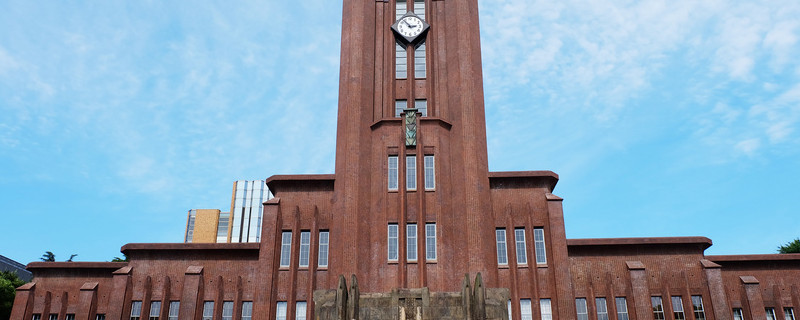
411, 209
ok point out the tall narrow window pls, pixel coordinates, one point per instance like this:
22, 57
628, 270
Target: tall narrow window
247, 310
323, 249
286, 249
300, 310
658, 308
419, 8
422, 106
677, 308
602, 308
622, 308
430, 241
411, 172
525, 309
190, 226
538, 240
222, 227
53, 316
155, 309
411, 242
280, 310
580, 309
69, 316
392, 242
99, 316
400, 61
174, 309
546, 309
430, 173
227, 310
697, 307
419, 62
38, 316
502, 253
519, 238
509, 310
208, 310
737, 314
305, 247
770, 313
400, 8
393, 173
788, 313
136, 310
399, 106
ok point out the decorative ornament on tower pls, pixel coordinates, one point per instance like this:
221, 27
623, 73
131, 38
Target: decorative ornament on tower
410, 28
411, 127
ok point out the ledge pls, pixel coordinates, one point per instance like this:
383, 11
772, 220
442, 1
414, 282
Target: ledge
748, 280
278, 183
702, 241
399, 121
755, 257
517, 179
188, 246
76, 265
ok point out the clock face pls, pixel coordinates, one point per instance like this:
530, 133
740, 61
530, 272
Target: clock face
410, 26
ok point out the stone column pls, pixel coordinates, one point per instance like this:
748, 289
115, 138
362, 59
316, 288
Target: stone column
192, 292
640, 290
755, 302
719, 302
120, 295
24, 302
87, 301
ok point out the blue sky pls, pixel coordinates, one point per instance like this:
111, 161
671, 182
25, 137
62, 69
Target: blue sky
663, 118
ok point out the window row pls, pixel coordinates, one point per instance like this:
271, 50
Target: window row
411, 172
393, 242
305, 249
788, 313
299, 310
520, 246
678, 312
601, 307
526, 312
420, 104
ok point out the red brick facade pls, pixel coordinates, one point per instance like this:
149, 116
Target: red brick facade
468, 205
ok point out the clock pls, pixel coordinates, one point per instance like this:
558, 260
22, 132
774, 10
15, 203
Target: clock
410, 28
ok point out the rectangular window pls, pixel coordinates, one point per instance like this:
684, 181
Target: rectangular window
227, 310
546, 310
399, 107
788, 313
525, 309
393, 173
770, 313
509, 310
430, 173
602, 308
581, 309
155, 310
70, 316
502, 253
419, 8
174, 309
136, 310
247, 310
286, 249
323, 249
190, 226
305, 247
99, 316
538, 242
697, 307
411, 242
677, 308
280, 311
401, 8
222, 227
411, 173
400, 61
737, 314
658, 308
208, 310
419, 61
38, 316
622, 308
422, 106
519, 238
53, 316
300, 310
430, 241
392, 242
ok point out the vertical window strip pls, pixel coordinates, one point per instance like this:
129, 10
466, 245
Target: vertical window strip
208, 310
399, 106
300, 310
37, 316
525, 311
400, 61
155, 310
658, 308
430, 173
392, 242
305, 247
697, 308
788, 313
222, 227
286, 249
174, 309
54, 316
323, 249
400, 8
227, 310
420, 69
99, 316
411, 243
770, 313
546, 309
622, 308
69, 316
538, 239
247, 310
602, 308
136, 310
430, 242
393, 173
422, 106
677, 308
190, 226
502, 253
280, 310
519, 237
737, 314
581, 309
411, 173
419, 8
509, 310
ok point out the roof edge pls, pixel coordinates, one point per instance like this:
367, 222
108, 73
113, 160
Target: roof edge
755, 257
188, 246
549, 178
703, 241
76, 265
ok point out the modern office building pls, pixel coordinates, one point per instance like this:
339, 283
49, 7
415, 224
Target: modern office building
212, 225
412, 224
206, 226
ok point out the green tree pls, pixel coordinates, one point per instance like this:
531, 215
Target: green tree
118, 259
48, 257
8, 289
71, 257
791, 247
